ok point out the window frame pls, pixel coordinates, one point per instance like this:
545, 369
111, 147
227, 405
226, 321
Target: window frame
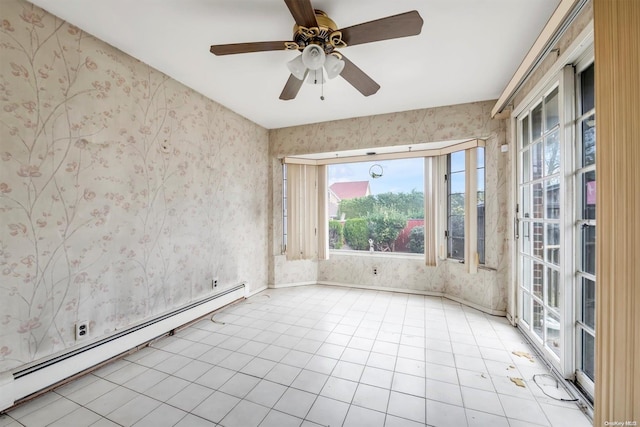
439, 160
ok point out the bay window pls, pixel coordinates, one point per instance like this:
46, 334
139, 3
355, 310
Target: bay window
387, 203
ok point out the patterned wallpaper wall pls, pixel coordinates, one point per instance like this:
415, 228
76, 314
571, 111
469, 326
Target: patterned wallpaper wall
122, 193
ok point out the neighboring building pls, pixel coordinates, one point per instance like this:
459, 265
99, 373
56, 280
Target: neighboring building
346, 190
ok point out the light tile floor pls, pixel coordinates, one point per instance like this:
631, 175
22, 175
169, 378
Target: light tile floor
318, 356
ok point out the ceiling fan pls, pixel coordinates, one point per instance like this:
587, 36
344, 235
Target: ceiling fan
318, 39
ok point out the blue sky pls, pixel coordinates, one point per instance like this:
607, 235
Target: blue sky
399, 176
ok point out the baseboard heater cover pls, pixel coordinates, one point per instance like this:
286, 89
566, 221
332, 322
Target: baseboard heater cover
28, 381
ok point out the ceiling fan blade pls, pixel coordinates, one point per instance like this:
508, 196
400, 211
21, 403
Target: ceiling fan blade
358, 78
402, 25
302, 12
229, 49
292, 88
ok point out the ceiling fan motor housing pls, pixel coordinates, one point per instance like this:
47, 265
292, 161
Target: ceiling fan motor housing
324, 35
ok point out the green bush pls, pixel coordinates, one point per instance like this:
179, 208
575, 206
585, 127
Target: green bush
384, 229
336, 234
416, 240
410, 204
356, 234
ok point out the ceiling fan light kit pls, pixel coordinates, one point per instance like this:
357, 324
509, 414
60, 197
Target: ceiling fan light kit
317, 37
313, 57
297, 68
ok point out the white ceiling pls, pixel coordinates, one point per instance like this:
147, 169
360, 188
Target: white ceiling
467, 51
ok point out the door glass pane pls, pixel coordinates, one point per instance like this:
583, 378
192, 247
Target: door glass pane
589, 302
589, 195
538, 279
553, 244
536, 160
589, 249
589, 141
552, 154
526, 201
553, 288
551, 110
537, 318
526, 308
526, 166
525, 131
552, 322
536, 119
552, 198
538, 239
538, 205
526, 237
526, 273
588, 354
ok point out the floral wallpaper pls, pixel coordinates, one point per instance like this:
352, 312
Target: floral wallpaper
122, 192
486, 289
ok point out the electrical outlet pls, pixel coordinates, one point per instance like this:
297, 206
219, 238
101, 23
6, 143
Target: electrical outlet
82, 330
375, 271
214, 282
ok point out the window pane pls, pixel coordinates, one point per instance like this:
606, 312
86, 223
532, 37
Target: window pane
382, 201
551, 110
589, 249
456, 182
455, 204
481, 180
536, 125
589, 141
589, 302
480, 157
552, 154
587, 89
589, 195
456, 163
481, 204
456, 222
456, 248
552, 198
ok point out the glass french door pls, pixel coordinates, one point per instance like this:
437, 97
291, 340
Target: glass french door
540, 213
585, 229
556, 214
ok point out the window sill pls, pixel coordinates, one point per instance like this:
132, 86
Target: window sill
399, 255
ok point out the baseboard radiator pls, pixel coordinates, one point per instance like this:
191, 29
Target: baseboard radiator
21, 384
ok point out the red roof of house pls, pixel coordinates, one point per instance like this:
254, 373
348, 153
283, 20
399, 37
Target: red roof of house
350, 190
